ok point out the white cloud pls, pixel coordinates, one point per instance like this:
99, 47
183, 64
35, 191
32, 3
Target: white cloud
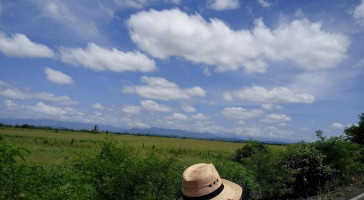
47, 109
20, 46
299, 13
99, 59
199, 116
359, 14
131, 109
178, 116
57, 76
270, 106
162, 89
188, 108
337, 126
264, 3
305, 129
153, 106
15, 93
275, 95
276, 118
301, 42
223, 4
241, 113
360, 63
98, 106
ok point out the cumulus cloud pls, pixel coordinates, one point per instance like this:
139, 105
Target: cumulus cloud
270, 106
99, 59
275, 95
131, 109
358, 14
98, 106
162, 89
337, 126
154, 106
49, 110
223, 4
174, 33
15, 93
276, 118
264, 3
199, 116
178, 116
188, 108
18, 45
58, 76
241, 113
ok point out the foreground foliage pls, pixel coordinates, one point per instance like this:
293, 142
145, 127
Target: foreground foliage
117, 171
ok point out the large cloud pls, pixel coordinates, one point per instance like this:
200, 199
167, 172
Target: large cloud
275, 95
162, 89
57, 76
175, 33
98, 58
18, 45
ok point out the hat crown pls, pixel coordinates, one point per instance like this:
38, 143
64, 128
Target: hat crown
200, 179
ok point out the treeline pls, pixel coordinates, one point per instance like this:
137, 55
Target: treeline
120, 172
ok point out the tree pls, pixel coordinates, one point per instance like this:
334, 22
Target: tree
356, 133
95, 129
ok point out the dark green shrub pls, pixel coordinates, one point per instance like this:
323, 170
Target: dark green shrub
306, 165
248, 150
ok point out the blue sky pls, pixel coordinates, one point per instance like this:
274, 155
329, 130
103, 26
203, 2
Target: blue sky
278, 69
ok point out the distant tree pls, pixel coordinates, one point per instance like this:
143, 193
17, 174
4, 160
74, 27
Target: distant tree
319, 134
95, 129
249, 150
355, 133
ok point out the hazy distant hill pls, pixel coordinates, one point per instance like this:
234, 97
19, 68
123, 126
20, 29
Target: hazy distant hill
151, 131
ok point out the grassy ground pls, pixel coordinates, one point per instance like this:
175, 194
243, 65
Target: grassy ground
49, 147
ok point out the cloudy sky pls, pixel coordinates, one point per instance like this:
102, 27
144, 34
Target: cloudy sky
248, 68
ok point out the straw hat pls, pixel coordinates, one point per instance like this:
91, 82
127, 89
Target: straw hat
202, 181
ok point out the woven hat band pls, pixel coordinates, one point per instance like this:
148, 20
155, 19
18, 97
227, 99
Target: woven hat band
207, 196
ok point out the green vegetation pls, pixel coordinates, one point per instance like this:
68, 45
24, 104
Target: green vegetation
42, 163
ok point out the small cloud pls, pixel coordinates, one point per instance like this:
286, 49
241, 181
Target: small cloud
199, 116
220, 5
206, 71
57, 76
188, 108
99, 59
178, 116
98, 106
162, 89
337, 126
305, 129
358, 14
299, 13
276, 118
275, 95
153, 106
131, 109
241, 113
18, 45
264, 3
360, 63
270, 106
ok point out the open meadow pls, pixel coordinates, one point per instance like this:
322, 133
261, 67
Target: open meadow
54, 147
44, 163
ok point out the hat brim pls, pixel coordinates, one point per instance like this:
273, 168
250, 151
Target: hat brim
232, 191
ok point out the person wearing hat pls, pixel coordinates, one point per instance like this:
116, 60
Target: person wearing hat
202, 182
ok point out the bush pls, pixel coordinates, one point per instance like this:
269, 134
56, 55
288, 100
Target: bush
306, 166
248, 150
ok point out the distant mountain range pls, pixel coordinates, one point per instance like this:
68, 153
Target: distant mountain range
151, 131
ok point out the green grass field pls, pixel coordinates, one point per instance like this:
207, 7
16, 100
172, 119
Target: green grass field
49, 147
